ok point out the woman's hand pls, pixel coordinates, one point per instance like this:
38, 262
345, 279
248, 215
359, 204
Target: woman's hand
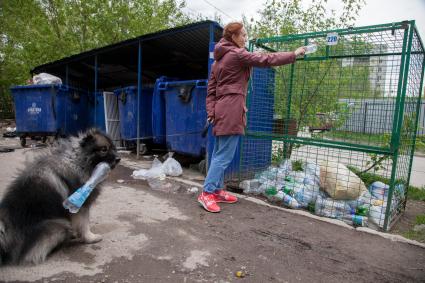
300, 51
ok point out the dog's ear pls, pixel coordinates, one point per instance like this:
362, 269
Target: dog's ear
87, 139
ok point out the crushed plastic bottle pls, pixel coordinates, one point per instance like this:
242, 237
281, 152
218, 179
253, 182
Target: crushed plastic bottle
355, 220
332, 208
286, 165
362, 210
74, 202
379, 190
288, 190
270, 192
249, 186
290, 201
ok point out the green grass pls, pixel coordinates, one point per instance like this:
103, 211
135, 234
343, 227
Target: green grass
416, 235
420, 219
415, 193
297, 165
369, 139
420, 143
369, 178
373, 139
413, 235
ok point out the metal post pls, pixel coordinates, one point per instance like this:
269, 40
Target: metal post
95, 88
364, 117
418, 113
211, 45
211, 49
287, 147
139, 91
248, 99
66, 75
395, 143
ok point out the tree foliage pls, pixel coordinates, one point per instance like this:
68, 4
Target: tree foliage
296, 16
35, 32
318, 85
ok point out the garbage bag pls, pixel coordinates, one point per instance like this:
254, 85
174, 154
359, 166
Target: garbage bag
44, 78
156, 171
172, 167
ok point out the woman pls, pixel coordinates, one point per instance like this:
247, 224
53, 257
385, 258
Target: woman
227, 88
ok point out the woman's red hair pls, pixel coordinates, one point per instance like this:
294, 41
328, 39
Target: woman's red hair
233, 28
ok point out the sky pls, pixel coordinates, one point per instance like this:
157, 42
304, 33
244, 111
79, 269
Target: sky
374, 12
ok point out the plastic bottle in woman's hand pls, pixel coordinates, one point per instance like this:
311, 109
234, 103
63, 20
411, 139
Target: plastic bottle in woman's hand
311, 48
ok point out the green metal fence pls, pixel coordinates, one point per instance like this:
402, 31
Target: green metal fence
320, 93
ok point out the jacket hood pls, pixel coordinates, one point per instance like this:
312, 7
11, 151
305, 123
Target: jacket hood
222, 47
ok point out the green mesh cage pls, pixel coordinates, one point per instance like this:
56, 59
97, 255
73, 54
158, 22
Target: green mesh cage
354, 105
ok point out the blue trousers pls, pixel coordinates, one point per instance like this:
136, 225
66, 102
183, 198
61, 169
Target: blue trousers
222, 156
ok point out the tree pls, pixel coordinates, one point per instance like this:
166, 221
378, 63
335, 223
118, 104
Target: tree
35, 32
292, 16
310, 88
316, 85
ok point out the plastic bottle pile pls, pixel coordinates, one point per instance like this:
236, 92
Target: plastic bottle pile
310, 188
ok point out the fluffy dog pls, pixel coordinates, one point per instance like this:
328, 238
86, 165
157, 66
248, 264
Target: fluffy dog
33, 220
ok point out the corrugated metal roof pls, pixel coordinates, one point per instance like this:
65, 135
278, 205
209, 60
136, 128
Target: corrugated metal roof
180, 52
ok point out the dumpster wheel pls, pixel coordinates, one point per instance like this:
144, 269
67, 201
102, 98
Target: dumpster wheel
143, 149
23, 141
202, 167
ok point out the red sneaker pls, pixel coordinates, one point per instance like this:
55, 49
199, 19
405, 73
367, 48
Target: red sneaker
208, 201
223, 196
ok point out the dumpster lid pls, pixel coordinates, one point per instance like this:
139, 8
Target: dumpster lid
35, 86
171, 83
180, 52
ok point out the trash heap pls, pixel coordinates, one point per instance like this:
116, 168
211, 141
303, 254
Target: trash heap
329, 189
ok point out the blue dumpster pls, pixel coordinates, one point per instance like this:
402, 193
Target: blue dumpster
128, 109
158, 113
256, 152
43, 110
97, 111
75, 102
185, 116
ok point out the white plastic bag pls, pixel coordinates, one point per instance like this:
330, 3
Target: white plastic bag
172, 167
45, 79
156, 171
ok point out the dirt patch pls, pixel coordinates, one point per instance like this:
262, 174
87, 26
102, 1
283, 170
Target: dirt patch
155, 236
269, 245
406, 223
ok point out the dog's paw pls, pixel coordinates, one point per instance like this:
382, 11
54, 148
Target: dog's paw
91, 238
